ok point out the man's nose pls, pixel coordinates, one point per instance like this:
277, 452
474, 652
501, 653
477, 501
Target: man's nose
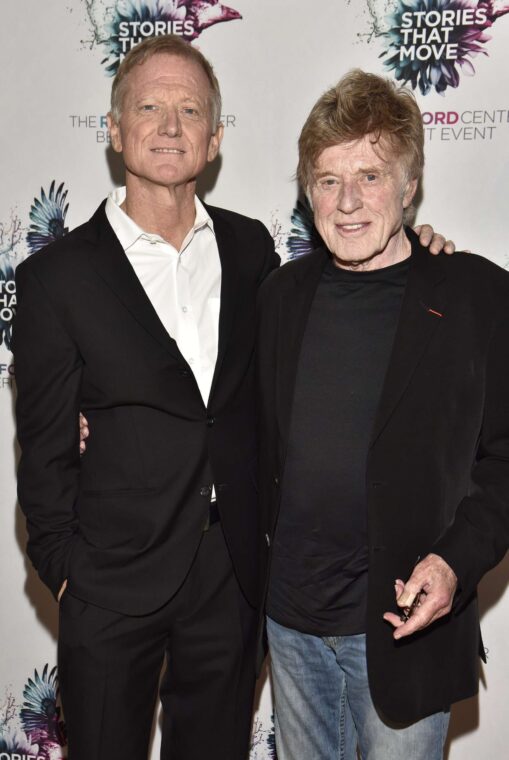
349, 197
169, 123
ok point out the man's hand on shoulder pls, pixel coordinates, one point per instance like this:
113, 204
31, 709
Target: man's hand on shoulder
425, 597
432, 240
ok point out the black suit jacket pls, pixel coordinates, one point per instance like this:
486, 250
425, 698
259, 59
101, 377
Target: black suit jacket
123, 522
438, 464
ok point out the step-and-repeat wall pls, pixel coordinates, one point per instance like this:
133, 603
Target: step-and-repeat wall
273, 59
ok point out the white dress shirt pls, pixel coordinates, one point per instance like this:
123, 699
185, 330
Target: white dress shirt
184, 286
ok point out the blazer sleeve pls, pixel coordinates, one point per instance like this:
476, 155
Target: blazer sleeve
48, 370
479, 535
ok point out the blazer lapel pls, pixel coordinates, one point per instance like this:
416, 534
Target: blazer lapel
228, 247
422, 310
112, 265
294, 306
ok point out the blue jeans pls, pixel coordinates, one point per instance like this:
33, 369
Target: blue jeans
323, 707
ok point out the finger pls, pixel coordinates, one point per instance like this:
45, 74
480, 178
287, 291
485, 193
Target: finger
399, 587
419, 620
425, 233
62, 589
412, 588
449, 246
437, 244
393, 619
424, 613
406, 626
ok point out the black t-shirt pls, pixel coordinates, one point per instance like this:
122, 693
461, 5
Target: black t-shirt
319, 567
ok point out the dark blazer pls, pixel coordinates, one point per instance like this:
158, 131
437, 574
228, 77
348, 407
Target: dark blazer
123, 522
438, 463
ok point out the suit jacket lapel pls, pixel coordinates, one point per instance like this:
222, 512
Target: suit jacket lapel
229, 251
294, 305
422, 310
112, 265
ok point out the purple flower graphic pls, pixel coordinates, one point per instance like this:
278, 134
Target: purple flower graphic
434, 69
48, 218
303, 237
132, 20
40, 715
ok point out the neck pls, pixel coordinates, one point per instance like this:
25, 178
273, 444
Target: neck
165, 211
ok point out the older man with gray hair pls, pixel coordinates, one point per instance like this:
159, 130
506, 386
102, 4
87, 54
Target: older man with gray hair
384, 447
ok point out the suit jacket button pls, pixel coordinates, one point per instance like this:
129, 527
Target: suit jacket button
276, 480
267, 539
210, 421
205, 491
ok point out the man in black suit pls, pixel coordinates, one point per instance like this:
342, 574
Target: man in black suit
144, 318
384, 448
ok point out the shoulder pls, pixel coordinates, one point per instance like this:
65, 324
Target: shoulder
476, 271
295, 269
246, 241
65, 253
239, 222
468, 275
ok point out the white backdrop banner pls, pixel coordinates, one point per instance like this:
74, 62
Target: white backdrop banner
273, 59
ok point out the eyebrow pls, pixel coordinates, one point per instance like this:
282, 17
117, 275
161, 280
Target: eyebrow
380, 169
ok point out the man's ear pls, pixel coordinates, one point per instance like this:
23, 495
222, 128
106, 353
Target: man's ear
409, 192
114, 130
215, 142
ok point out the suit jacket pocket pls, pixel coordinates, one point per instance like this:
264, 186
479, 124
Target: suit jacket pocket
125, 520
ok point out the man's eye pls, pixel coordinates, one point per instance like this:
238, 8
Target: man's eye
371, 177
328, 182
148, 107
190, 111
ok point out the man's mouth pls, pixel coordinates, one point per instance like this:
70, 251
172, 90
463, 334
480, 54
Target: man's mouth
352, 227
167, 150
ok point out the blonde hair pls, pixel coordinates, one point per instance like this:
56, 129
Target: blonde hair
363, 104
170, 44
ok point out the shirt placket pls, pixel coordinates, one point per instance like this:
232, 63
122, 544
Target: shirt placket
188, 329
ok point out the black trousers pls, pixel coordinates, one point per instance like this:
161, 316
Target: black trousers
110, 668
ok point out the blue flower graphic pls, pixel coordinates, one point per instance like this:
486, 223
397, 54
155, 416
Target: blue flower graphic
303, 237
194, 16
16, 743
437, 71
48, 218
40, 715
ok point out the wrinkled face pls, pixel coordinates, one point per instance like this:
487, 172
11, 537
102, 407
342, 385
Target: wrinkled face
358, 195
165, 130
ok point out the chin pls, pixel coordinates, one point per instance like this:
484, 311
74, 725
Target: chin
354, 257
